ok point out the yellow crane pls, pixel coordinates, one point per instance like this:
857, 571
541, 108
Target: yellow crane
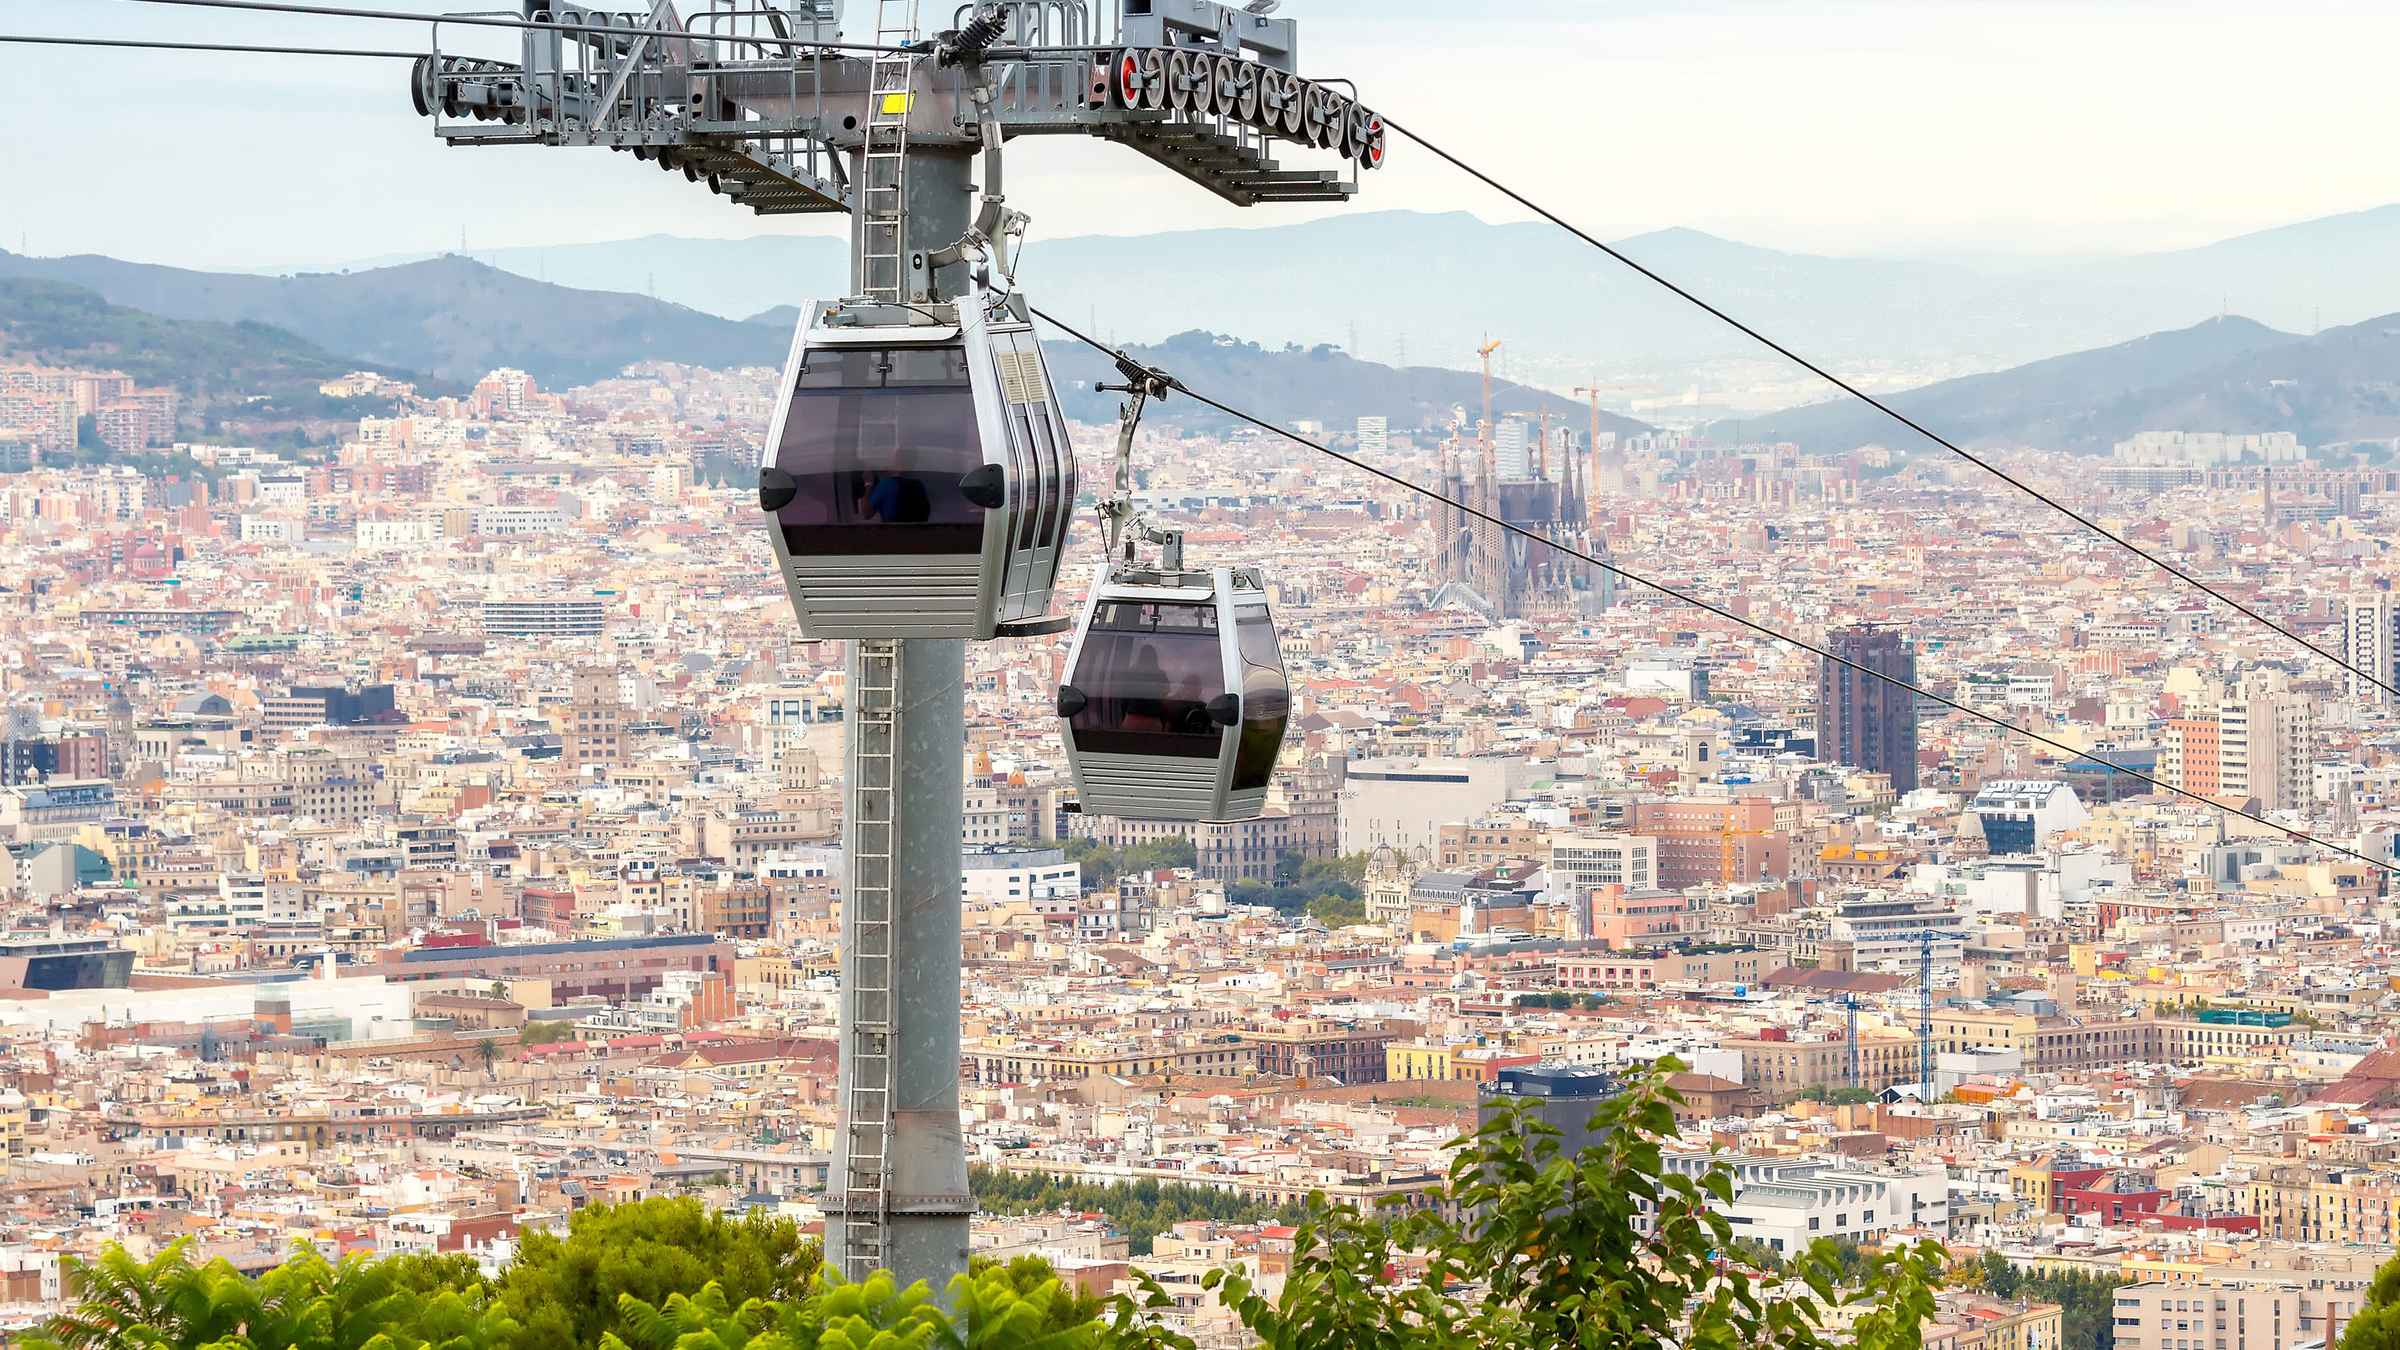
1487, 495
1593, 393
1592, 448
1485, 353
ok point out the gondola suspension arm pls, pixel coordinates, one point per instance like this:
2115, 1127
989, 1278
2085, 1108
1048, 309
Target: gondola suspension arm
1117, 517
996, 238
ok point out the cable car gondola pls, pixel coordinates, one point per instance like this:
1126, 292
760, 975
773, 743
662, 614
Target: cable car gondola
1176, 699
918, 470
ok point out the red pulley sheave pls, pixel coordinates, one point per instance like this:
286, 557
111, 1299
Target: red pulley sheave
1129, 79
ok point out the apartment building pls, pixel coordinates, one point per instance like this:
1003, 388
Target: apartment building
1031, 1061
1784, 1204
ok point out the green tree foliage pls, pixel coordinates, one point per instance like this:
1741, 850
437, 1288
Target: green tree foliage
1301, 884
1141, 1210
1034, 1283
432, 1273
1999, 1277
564, 1291
89, 450
254, 369
1837, 1096
1338, 911
1755, 1254
545, 1032
1523, 1246
1102, 865
1560, 999
2377, 1325
307, 1303
1294, 869
2087, 1303
990, 1309
1607, 1247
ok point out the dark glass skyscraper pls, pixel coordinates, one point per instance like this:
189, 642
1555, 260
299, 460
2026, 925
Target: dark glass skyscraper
1863, 721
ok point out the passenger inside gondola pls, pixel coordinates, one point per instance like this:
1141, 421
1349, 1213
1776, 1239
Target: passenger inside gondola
895, 499
1147, 672
1145, 692
876, 441
1188, 707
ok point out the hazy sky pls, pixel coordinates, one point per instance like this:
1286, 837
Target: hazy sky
1931, 126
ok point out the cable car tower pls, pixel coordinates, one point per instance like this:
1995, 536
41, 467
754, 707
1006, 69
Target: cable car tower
758, 101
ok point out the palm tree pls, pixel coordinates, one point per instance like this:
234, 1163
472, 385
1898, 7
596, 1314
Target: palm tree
307, 1303
165, 1303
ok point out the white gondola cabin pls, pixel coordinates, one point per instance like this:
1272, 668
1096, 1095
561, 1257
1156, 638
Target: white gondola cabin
1175, 699
918, 471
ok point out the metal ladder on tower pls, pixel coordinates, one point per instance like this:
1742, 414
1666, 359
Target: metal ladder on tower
883, 165
866, 1153
882, 203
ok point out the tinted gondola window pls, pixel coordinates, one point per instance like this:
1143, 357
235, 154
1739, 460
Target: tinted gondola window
876, 441
1266, 698
1148, 669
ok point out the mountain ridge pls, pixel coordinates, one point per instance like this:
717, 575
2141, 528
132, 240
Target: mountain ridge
2229, 374
450, 317
458, 318
247, 371
1321, 384
1437, 282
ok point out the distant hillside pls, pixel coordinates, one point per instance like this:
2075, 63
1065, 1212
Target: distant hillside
212, 364
1440, 282
209, 331
450, 317
1283, 386
1319, 383
729, 278
2333, 270
2341, 385
2225, 375
2073, 401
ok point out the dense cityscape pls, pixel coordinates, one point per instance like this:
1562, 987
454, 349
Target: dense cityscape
424, 834
1625, 677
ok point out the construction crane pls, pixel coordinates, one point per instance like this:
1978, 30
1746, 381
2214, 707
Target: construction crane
757, 101
1484, 354
1489, 567
1592, 446
1850, 1054
1925, 940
